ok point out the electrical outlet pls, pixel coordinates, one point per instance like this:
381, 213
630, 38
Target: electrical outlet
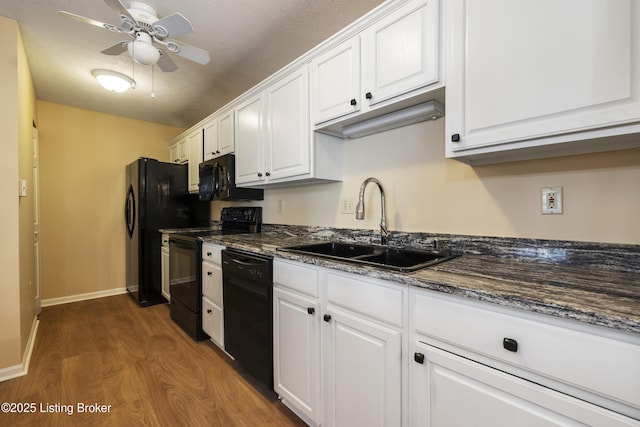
551, 200
347, 205
280, 206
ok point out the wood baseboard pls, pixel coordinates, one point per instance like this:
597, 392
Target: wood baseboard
23, 368
83, 297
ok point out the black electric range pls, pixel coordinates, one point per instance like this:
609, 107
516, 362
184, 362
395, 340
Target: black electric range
185, 265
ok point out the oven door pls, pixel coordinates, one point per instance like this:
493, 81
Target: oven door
183, 265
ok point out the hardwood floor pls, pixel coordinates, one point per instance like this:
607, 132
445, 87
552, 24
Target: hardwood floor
108, 351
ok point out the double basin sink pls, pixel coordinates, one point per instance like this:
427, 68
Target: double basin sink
379, 256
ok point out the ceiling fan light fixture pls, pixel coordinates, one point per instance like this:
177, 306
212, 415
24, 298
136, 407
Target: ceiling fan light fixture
142, 50
113, 81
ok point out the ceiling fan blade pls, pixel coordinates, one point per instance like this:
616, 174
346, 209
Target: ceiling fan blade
165, 63
90, 21
192, 53
117, 48
172, 26
120, 8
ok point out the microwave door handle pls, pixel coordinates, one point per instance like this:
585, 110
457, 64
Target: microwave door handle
216, 180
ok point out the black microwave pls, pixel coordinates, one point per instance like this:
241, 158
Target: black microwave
217, 181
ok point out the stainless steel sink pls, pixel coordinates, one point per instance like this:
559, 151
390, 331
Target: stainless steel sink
379, 256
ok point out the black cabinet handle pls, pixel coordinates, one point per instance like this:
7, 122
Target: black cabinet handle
327, 317
368, 95
209, 254
354, 102
268, 174
217, 151
209, 273
419, 358
510, 344
311, 310
455, 137
259, 174
209, 310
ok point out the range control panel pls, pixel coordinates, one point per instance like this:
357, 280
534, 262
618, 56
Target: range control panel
247, 216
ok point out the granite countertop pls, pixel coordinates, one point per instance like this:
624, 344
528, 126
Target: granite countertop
597, 296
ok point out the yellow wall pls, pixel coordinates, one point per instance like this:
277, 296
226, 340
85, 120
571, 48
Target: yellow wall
9, 249
425, 192
83, 155
17, 112
26, 118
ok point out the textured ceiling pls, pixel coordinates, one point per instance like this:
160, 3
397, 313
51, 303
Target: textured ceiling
247, 40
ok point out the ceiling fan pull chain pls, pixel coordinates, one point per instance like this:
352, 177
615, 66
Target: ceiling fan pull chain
133, 71
153, 82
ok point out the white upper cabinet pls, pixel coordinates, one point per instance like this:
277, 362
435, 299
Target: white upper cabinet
335, 79
219, 134
288, 135
390, 60
537, 79
210, 138
250, 137
274, 142
400, 52
178, 150
273, 132
194, 143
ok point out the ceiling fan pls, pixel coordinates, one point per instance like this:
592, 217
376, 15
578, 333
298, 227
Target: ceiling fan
141, 22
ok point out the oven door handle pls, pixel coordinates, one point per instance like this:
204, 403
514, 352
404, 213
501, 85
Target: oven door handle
178, 243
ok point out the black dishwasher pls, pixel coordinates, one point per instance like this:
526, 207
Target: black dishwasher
248, 319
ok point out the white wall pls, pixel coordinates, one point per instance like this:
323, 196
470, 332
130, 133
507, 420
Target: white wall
427, 193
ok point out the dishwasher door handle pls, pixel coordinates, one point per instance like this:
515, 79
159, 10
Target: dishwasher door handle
247, 263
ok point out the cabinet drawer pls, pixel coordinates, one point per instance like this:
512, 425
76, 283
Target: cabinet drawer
602, 365
213, 321
212, 253
370, 298
212, 282
296, 276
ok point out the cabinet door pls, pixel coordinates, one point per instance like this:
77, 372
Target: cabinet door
449, 390
213, 321
250, 165
288, 137
335, 82
400, 52
183, 150
226, 133
296, 351
210, 139
164, 262
525, 71
363, 372
212, 282
173, 153
194, 140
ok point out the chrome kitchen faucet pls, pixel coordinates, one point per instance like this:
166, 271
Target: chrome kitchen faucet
384, 232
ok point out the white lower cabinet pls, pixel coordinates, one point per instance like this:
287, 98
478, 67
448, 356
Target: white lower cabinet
363, 372
330, 323
296, 349
450, 390
212, 303
356, 351
475, 364
165, 267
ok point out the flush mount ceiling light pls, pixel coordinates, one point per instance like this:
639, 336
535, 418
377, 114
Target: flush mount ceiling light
113, 81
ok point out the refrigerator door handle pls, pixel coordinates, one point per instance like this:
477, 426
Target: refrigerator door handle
130, 211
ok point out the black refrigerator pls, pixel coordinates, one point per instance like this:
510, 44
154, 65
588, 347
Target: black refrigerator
157, 197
